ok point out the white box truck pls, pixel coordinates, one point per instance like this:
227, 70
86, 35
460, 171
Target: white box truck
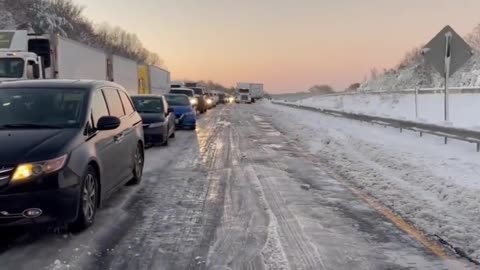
25, 56
125, 73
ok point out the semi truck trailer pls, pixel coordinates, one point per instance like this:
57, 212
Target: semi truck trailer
153, 80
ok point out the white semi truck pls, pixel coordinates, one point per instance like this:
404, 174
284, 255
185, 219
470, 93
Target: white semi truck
255, 91
25, 56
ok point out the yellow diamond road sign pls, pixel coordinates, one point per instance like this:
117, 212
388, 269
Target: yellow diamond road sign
447, 47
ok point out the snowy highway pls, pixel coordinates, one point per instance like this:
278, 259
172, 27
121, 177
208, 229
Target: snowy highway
242, 192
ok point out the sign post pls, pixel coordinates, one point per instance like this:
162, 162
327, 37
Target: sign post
447, 52
448, 39
416, 103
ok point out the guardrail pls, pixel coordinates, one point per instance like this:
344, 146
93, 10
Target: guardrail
421, 91
460, 134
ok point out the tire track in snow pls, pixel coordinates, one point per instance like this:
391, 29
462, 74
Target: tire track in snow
286, 246
304, 254
171, 232
242, 233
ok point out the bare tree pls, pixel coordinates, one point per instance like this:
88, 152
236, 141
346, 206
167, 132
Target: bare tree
411, 57
66, 18
474, 38
353, 87
118, 41
373, 74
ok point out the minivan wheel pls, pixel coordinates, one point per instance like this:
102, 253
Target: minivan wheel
88, 201
138, 160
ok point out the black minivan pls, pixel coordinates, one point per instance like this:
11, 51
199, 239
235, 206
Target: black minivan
66, 146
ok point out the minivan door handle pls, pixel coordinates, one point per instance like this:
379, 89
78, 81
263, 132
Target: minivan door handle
118, 138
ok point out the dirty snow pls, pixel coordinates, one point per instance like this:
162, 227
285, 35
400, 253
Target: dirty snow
434, 186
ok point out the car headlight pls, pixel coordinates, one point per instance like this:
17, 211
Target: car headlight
157, 124
209, 101
29, 170
193, 101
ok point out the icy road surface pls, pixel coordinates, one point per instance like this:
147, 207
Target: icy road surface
235, 194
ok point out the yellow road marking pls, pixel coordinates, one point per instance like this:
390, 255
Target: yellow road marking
432, 246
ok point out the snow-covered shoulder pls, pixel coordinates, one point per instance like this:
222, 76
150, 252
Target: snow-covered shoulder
434, 186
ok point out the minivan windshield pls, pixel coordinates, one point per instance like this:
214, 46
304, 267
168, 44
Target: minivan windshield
177, 100
243, 91
187, 92
41, 108
148, 104
11, 67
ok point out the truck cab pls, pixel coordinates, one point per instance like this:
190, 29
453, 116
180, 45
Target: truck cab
23, 56
243, 96
177, 84
19, 66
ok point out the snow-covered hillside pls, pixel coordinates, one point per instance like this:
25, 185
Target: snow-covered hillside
421, 75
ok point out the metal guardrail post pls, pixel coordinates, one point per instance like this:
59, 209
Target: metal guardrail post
416, 103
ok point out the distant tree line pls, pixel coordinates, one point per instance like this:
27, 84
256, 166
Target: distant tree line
66, 18
321, 89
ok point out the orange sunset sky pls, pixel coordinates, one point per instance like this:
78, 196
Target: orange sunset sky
287, 44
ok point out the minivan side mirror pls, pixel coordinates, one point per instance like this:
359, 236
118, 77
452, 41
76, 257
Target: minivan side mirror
36, 71
108, 123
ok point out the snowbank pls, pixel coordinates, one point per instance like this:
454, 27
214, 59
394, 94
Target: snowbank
434, 186
464, 108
